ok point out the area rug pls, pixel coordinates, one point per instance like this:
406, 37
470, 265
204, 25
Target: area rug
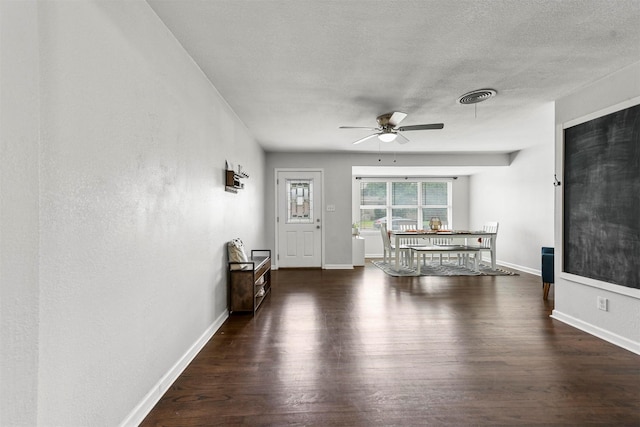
445, 269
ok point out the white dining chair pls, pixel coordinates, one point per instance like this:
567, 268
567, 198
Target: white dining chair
389, 248
484, 243
441, 241
410, 242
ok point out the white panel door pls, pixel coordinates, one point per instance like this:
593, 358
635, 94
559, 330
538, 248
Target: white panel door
299, 219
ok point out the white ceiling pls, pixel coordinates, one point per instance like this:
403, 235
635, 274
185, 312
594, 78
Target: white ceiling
296, 70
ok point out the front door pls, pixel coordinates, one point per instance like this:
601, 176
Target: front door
299, 219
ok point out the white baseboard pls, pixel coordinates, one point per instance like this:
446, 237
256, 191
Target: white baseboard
329, 267
616, 339
517, 267
157, 391
487, 260
338, 266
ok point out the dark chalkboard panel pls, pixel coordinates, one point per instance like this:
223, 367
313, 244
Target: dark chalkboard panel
602, 198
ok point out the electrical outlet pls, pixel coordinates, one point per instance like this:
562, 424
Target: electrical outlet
603, 304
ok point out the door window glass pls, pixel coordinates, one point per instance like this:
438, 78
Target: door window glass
299, 201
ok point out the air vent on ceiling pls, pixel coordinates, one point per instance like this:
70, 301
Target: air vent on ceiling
476, 96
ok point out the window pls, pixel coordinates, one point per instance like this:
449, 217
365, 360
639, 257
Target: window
373, 203
436, 203
399, 202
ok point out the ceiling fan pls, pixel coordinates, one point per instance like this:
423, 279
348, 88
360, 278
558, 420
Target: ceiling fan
388, 129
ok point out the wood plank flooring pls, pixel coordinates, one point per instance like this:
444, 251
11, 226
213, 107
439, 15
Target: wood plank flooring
360, 348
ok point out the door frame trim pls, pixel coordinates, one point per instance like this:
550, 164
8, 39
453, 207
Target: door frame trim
275, 262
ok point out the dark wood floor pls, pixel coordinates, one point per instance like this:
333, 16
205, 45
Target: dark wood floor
359, 348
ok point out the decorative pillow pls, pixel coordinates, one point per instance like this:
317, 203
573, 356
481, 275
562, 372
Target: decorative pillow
235, 249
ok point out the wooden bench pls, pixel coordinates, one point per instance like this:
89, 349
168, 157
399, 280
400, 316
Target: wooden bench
447, 249
250, 282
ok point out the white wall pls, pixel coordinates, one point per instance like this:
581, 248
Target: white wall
336, 224
19, 132
121, 210
575, 298
520, 198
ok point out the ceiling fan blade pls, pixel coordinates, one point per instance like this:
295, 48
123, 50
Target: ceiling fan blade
401, 138
365, 138
396, 118
422, 127
357, 127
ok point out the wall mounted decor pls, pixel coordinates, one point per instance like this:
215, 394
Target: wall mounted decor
233, 179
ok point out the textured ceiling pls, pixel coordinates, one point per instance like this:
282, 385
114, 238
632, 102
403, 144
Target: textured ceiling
296, 70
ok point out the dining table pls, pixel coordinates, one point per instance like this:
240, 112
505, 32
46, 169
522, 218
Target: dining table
397, 236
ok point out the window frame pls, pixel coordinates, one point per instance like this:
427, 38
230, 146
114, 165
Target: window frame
389, 207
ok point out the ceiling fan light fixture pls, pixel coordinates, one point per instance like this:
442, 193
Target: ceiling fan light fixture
389, 128
476, 96
387, 136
